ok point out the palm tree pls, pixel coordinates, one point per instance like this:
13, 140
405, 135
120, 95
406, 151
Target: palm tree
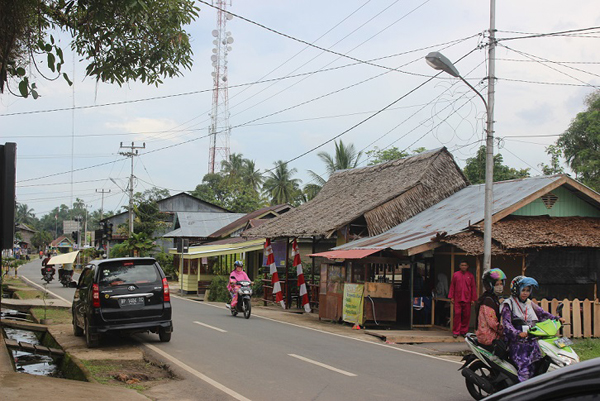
24, 214
233, 167
280, 186
251, 176
345, 158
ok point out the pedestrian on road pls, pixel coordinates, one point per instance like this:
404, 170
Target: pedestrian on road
463, 294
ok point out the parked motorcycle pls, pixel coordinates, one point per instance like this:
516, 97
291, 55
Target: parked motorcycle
243, 305
66, 277
47, 274
486, 373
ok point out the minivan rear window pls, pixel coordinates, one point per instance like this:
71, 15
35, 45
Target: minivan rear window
127, 273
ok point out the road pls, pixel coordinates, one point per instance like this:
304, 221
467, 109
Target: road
262, 359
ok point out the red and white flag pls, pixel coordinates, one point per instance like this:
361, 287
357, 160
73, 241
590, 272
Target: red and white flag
300, 272
274, 274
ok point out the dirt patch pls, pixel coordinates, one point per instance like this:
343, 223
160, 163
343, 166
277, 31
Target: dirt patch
136, 374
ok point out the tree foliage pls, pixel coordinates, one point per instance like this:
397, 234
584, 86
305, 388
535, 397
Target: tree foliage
580, 143
235, 188
475, 169
281, 187
120, 40
377, 155
554, 167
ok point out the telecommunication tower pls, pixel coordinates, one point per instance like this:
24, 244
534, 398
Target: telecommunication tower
219, 129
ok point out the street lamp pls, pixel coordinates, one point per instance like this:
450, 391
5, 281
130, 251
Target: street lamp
439, 62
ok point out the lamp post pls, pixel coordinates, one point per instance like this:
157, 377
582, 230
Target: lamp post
439, 62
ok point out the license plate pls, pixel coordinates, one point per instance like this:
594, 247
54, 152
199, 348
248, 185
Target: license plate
563, 342
136, 301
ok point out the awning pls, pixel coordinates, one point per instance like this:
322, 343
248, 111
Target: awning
65, 258
208, 250
346, 254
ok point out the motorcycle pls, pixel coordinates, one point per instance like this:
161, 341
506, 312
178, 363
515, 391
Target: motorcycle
244, 293
48, 274
66, 277
486, 373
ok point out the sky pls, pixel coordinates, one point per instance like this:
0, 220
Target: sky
287, 98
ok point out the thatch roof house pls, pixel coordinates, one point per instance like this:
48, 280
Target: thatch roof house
370, 200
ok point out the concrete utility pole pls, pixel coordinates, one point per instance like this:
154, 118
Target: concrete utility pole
102, 191
489, 145
133, 152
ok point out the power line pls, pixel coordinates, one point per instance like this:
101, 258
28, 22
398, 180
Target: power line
541, 35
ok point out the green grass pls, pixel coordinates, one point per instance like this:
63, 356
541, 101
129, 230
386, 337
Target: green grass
58, 316
587, 348
29, 294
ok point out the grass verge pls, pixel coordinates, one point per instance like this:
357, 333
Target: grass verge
138, 375
587, 348
58, 315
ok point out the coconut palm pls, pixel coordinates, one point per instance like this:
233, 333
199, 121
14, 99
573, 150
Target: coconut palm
345, 157
280, 186
251, 176
233, 167
24, 214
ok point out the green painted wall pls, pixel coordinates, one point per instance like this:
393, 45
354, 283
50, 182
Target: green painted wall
566, 205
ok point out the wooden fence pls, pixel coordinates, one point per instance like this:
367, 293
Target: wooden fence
583, 316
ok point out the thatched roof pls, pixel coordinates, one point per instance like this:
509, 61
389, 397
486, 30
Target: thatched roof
385, 195
521, 233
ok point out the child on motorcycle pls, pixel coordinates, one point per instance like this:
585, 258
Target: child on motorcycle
518, 315
238, 274
487, 308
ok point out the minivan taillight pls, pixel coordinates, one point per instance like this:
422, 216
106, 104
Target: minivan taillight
166, 294
95, 296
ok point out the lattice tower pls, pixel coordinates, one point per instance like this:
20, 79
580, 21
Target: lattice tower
219, 129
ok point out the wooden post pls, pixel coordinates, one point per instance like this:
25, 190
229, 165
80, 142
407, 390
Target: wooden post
576, 322
287, 279
478, 275
523, 267
452, 267
567, 317
587, 318
596, 318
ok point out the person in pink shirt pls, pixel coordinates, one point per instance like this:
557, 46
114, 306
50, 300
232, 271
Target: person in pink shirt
238, 274
463, 293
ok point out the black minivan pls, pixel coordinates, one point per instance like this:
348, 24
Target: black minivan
128, 295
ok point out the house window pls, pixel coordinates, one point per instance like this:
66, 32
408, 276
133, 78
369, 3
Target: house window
549, 200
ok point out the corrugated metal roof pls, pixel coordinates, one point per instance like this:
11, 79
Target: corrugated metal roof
201, 224
453, 215
346, 254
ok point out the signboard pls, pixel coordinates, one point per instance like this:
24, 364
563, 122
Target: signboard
352, 308
279, 249
69, 226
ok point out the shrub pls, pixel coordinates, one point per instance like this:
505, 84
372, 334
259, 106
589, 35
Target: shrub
218, 290
165, 261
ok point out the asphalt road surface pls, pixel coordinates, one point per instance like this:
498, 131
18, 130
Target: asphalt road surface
262, 359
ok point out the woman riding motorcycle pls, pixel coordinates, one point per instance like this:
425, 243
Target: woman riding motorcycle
518, 315
487, 308
238, 274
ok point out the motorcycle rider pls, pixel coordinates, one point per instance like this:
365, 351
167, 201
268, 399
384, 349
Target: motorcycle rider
487, 308
238, 274
518, 315
45, 264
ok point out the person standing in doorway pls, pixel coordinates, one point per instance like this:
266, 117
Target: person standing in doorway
463, 293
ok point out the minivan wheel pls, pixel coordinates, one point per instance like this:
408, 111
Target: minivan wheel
164, 336
77, 331
91, 341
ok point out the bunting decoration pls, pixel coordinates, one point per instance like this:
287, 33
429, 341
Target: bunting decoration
274, 274
301, 283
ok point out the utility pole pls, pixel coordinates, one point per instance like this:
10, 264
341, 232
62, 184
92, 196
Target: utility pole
133, 152
489, 145
102, 191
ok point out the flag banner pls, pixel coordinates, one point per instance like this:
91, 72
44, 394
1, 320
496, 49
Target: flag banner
300, 273
274, 274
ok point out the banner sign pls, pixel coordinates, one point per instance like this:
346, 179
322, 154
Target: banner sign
352, 307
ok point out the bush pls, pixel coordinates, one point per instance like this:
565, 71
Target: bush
165, 261
218, 290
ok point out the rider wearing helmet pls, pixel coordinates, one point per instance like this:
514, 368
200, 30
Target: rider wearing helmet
238, 274
518, 315
487, 308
